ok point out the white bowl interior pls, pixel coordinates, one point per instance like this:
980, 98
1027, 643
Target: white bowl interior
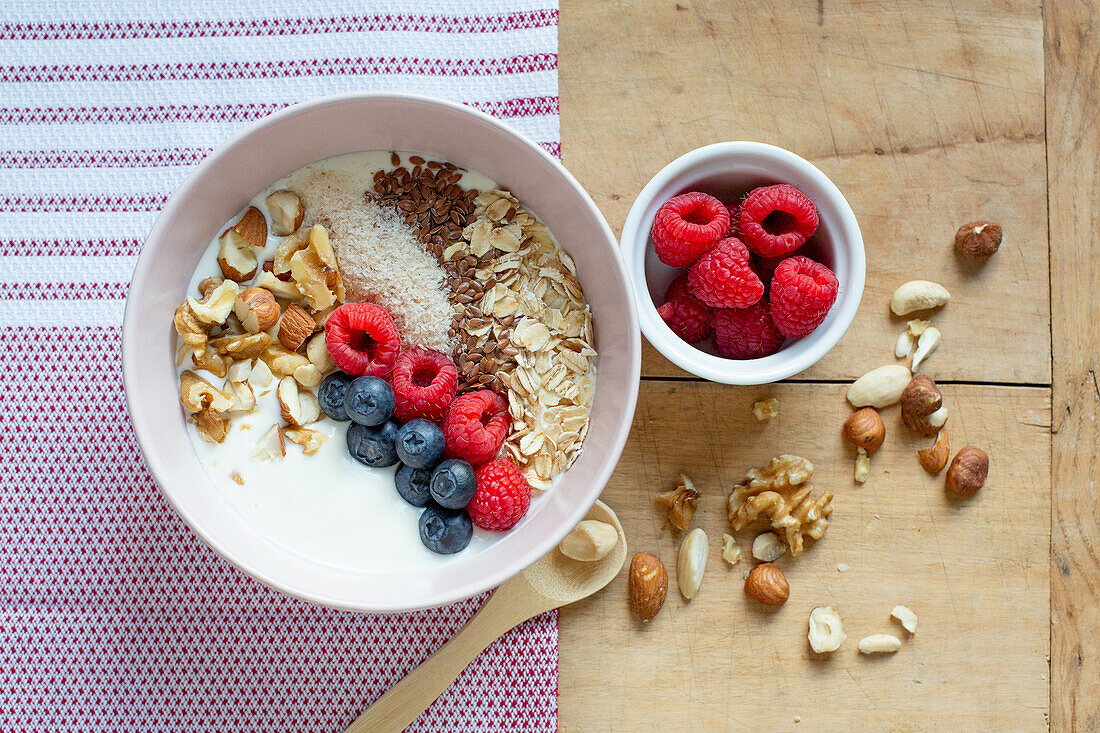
728, 171
278, 145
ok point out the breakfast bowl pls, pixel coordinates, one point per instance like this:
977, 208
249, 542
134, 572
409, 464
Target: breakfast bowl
728, 171
375, 578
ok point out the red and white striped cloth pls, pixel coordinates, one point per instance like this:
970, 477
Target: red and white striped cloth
113, 615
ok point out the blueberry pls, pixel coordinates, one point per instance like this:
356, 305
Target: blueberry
369, 400
420, 443
454, 483
414, 484
445, 531
331, 395
373, 445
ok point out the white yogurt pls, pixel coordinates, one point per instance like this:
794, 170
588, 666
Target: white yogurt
326, 507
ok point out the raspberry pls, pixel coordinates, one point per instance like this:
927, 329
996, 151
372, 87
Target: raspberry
746, 333
723, 277
476, 425
686, 226
424, 384
802, 293
776, 220
502, 497
362, 339
684, 313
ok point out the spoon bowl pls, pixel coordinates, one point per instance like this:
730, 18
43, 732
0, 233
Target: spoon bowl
553, 581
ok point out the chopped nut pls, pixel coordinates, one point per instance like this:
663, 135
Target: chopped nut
905, 617
928, 342
211, 361
589, 541
197, 394
879, 644
291, 245
308, 376
826, 631
236, 261
244, 399
282, 361
310, 440
257, 310
271, 445
252, 227
237, 478
216, 306
260, 375
317, 353
691, 562
767, 547
297, 407
315, 272
863, 466
209, 283
297, 325
239, 370
904, 346
776, 492
731, 553
765, 409
286, 212
211, 425
917, 326
242, 346
935, 458
278, 288
680, 503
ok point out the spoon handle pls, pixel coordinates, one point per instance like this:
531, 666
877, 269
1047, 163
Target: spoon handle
406, 700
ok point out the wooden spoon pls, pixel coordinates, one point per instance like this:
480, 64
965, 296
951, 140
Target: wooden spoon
553, 581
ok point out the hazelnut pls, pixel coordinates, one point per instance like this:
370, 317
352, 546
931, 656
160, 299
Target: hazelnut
767, 584
648, 583
252, 227
967, 472
257, 310
978, 240
935, 458
865, 429
286, 212
922, 408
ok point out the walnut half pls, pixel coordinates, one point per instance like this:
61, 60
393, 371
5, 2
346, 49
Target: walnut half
680, 503
778, 493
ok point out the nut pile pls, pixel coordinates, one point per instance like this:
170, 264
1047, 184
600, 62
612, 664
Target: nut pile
778, 493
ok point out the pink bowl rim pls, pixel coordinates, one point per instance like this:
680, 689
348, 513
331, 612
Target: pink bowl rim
492, 577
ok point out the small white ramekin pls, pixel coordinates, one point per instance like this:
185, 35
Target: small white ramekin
728, 170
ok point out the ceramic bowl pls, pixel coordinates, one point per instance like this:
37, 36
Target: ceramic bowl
728, 171
284, 142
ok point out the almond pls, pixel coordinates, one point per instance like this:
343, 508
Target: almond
766, 584
271, 445
648, 581
297, 325
286, 212
692, 562
257, 310
252, 227
879, 387
237, 263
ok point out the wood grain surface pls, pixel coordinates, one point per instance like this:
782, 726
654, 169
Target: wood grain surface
926, 116
1073, 52
975, 572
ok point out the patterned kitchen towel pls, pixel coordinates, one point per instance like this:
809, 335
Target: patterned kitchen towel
114, 616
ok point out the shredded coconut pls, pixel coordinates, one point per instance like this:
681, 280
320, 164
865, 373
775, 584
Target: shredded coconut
380, 259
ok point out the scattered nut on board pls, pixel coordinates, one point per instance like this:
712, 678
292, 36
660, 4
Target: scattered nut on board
731, 553
928, 342
864, 429
768, 585
647, 581
922, 408
589, 541
767, 547
918, 295
978, 240
863, 467
826, 631
879, 644
765, 410
680, 503
967, 472
935, 458
692, 562
879, 387
905, 617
